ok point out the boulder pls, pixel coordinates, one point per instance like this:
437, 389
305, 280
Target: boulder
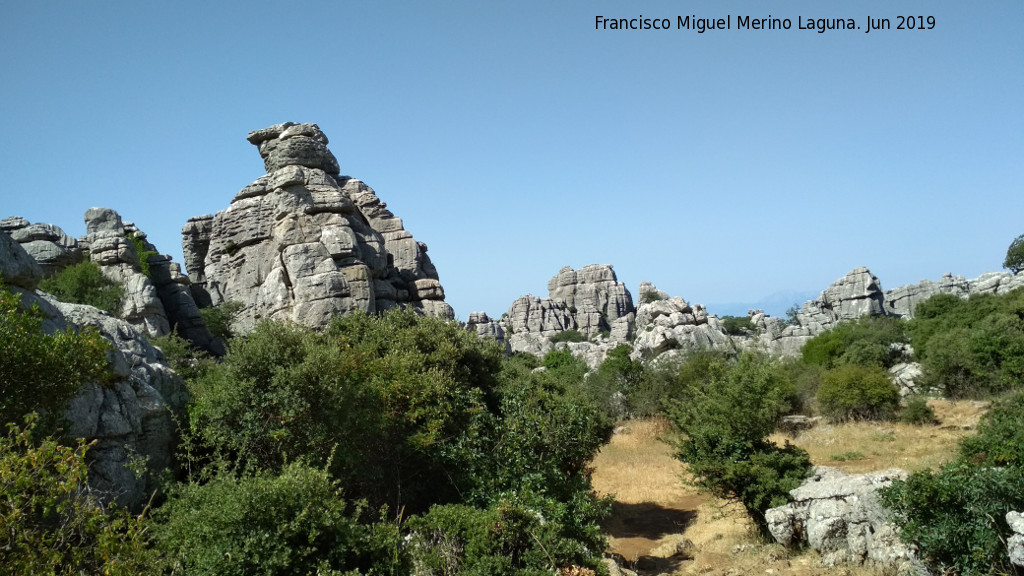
840, 516
673, 324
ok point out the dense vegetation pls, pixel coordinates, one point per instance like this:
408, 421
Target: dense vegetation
84, 283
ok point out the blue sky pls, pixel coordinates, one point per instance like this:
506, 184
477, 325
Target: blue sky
514, 138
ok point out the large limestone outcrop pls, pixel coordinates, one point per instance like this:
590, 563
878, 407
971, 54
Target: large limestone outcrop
17, 268
134, 416
840, 516
901, 301
664, 324
110, 247
590, 300
47, 244
857, 294
304, 244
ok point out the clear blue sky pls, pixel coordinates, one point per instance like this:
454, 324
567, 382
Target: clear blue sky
514, 138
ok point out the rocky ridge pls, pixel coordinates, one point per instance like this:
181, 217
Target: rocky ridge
132, 417
303, 243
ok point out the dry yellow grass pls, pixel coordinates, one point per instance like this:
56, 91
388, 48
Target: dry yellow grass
655, 509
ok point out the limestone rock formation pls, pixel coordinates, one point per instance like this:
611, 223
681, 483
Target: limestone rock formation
133, 416
1015, 543
304, 244
115, 253
483, 326
590, 300
840, 516
673, 324
901, 301
47, 244
857, 294
16, 266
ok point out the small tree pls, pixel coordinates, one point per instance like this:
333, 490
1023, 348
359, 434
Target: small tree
1014, 261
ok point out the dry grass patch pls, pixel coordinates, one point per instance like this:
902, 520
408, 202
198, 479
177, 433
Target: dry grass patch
865, 446
655, 509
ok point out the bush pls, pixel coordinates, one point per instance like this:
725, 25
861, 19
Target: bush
84, 283
568, 336
650, 297
268, 524
737, 325
1000, 437
973, 347
49, 521
1014, 260
917, 412
218, 319
387, 402
957, 516
724, 423
867, 341
853, 392
520, 534
139, 242
40, 372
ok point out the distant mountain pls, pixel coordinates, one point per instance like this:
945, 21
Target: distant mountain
773, 305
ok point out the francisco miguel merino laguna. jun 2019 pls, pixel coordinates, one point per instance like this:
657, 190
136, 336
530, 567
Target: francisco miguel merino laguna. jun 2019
819, 25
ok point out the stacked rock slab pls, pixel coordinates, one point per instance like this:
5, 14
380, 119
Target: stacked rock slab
47, 244
132, 417
902, 301
110, 247
840, 516
296, 245
664, 324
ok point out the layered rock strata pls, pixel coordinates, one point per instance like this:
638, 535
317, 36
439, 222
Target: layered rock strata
129, 418
840, 516
304, 243
47, 244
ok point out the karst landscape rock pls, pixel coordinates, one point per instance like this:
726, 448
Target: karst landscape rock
304, 244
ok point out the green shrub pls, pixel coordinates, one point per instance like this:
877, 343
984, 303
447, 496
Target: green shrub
650, 297
140, 249
518, 535
568, 336
853, 392
1014, 260
957, 516
724, 421
218, 319
867, 341
1000, 437
387, 402
918, 412
188, 361
737, 325
269, 524
40, 372
49, 524
84, 283
973, 347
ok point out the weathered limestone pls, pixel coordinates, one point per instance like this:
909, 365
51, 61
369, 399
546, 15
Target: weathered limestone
485, 327
857, 294
672, 324
47, 244
594, 296
16, 266
297, 245
1015, 543
115, 253
134, 416
840, 516
901, 301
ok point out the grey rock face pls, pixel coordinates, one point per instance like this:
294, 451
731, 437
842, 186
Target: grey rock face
117, 258
16, 266
840, 516
595, 293
672, 324
1015, 543
133, 417
857, 294
296, 245
47, 244
483, 326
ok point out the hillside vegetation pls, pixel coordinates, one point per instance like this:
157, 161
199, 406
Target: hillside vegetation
399, 444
